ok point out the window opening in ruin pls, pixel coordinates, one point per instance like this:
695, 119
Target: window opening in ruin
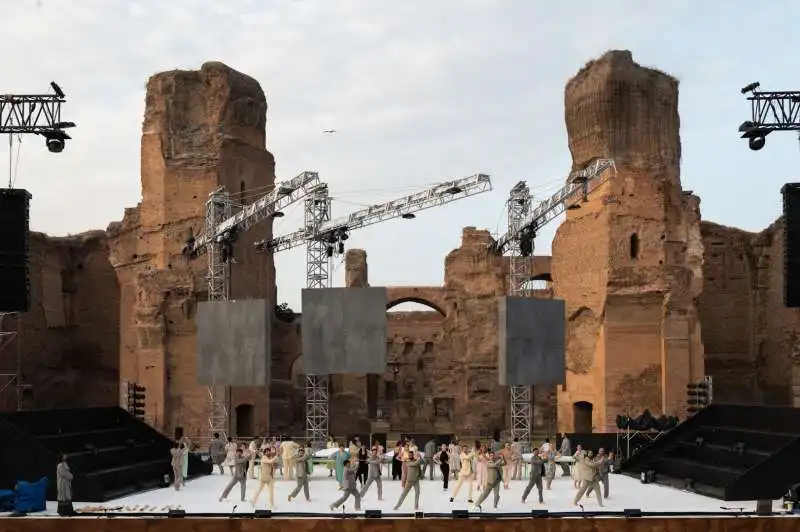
443, 407
178, 433
428, 347
582, 417
245, 421
408, 347
634, 246
241, 190
420, 365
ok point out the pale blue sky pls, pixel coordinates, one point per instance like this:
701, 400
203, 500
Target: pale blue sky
419, 91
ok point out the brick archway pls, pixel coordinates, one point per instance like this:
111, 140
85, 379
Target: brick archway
430, 296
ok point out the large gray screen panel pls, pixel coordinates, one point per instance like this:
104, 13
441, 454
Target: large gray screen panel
344, 330
532, 348
234, 342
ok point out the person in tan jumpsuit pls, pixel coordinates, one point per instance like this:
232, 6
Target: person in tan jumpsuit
465, 473
587, 474
266, 478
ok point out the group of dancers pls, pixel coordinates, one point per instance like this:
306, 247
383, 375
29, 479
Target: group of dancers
482, 467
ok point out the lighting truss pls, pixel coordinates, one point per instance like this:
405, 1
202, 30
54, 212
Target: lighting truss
769, 111
579, 185
284, 194
406, 206
519, 272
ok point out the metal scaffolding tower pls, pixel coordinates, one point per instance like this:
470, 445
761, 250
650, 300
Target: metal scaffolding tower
10, 377
218, 209
318, 268
519, 273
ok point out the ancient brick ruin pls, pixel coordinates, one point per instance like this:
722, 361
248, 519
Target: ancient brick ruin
655, 296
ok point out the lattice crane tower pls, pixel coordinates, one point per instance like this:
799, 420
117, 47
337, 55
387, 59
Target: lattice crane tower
518, 244
519, 273
221, 231
325, 238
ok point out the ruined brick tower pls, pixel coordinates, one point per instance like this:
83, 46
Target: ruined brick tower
628, 262
202, 129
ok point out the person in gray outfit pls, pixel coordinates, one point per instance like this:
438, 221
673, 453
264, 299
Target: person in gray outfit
300, 461
494, 477
216, 450
374, 475
349, 485
430, 451
603, 470
535, 479
565, 450
413, 464
240, 463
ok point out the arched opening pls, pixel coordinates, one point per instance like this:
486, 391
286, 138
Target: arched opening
241, 190
245, 421
413, 304
634, 248
373, 384
297, 376
582, 417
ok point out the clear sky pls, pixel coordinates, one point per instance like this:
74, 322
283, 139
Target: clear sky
418, 91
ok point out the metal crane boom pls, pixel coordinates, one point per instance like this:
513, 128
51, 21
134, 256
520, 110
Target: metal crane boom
284, 194
769, 111
579, 185
332, 230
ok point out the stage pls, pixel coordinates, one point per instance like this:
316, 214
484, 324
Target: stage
201, 496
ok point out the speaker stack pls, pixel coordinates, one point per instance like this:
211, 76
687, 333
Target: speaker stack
14, 228
791, 244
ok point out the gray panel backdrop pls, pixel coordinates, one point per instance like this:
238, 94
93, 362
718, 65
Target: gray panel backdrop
344, 330
234, 342
532, 343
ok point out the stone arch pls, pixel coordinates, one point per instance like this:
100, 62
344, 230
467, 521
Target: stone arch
582, 412
432, 297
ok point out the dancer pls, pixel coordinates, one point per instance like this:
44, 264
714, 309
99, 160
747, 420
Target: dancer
464, 474
186, 445
216, 450
413, 464
64, 487
252, 448
363, 466
494, 476
603, 469
535, 479
508, 455
516, 460
289, 450
549, 466
374, 474
239, 468
230, 455
397, 465
340, 458
349, 485
331, 445
453, 451
481, 467
565, 450
266, 478
301, 460
404, 454
177, 465
430, 451
575, 482
443, 459
586, 472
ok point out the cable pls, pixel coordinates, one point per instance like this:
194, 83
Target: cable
16, 163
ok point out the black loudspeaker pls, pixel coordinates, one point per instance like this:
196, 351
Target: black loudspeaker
15, 293
791, 244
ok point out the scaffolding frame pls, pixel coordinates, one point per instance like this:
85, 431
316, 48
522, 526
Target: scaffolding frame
318, 269
519, 273
218, 209
9, 336
625, 436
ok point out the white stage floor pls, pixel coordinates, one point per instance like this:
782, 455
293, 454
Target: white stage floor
201, 496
